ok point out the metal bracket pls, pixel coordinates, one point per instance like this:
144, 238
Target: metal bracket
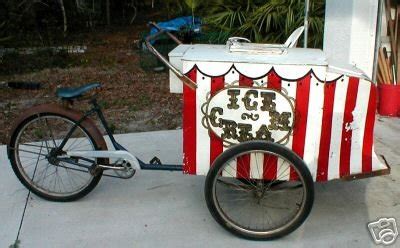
155, 160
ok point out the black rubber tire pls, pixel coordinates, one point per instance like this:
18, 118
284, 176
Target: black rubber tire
265, 146
73, 197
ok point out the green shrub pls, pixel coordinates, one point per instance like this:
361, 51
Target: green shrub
265, 21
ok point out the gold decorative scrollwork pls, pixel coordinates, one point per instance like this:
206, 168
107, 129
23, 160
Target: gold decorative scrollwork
232, 130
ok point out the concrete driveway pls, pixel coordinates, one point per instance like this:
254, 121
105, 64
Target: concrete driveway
166, 209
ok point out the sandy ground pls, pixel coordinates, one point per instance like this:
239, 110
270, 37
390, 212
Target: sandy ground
131, 96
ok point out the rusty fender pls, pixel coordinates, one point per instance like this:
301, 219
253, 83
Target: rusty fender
87, 123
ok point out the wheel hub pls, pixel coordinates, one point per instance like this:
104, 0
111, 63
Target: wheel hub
52, 160
259, 191
52, 157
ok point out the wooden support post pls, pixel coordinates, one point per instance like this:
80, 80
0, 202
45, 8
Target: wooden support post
391, 26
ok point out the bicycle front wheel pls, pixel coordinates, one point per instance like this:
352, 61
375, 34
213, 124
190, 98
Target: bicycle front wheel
41, 171
259, 190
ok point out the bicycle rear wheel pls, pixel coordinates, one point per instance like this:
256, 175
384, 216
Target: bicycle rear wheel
259, 190
31, 155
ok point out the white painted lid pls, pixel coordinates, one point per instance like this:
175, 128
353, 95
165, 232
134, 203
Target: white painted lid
220, 53
179, 51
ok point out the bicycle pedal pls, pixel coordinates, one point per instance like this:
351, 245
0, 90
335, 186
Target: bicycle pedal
155, 161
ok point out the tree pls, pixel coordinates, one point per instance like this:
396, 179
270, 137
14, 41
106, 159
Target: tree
64, 16
108, 12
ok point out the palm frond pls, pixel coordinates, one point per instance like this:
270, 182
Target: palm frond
266, 21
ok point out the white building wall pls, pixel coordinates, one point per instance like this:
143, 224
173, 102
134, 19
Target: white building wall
350, 33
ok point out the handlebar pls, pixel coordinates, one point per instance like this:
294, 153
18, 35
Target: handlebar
187, 81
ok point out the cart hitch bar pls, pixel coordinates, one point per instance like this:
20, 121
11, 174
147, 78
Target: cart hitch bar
186, 80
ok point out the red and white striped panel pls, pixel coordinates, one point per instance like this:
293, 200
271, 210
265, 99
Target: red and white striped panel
333, 129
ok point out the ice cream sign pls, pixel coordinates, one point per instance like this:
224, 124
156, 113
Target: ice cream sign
238, 114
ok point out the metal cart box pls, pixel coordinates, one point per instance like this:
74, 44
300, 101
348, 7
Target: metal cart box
334, 109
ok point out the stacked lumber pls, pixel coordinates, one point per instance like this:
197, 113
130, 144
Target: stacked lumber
388, 63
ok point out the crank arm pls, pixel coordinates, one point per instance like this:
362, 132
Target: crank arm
108, 167
71, 161
123, 155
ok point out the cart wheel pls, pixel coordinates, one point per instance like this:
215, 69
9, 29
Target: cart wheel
259, 190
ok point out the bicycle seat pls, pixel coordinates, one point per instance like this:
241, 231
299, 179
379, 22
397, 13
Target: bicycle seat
72, 93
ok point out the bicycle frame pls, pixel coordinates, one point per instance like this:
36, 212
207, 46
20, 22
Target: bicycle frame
120, 152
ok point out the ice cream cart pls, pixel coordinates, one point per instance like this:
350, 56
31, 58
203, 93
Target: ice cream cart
262, 122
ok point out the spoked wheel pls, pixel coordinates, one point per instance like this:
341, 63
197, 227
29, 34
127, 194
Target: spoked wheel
259, 190
33, 160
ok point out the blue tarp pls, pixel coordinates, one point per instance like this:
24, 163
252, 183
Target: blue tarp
180, 23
